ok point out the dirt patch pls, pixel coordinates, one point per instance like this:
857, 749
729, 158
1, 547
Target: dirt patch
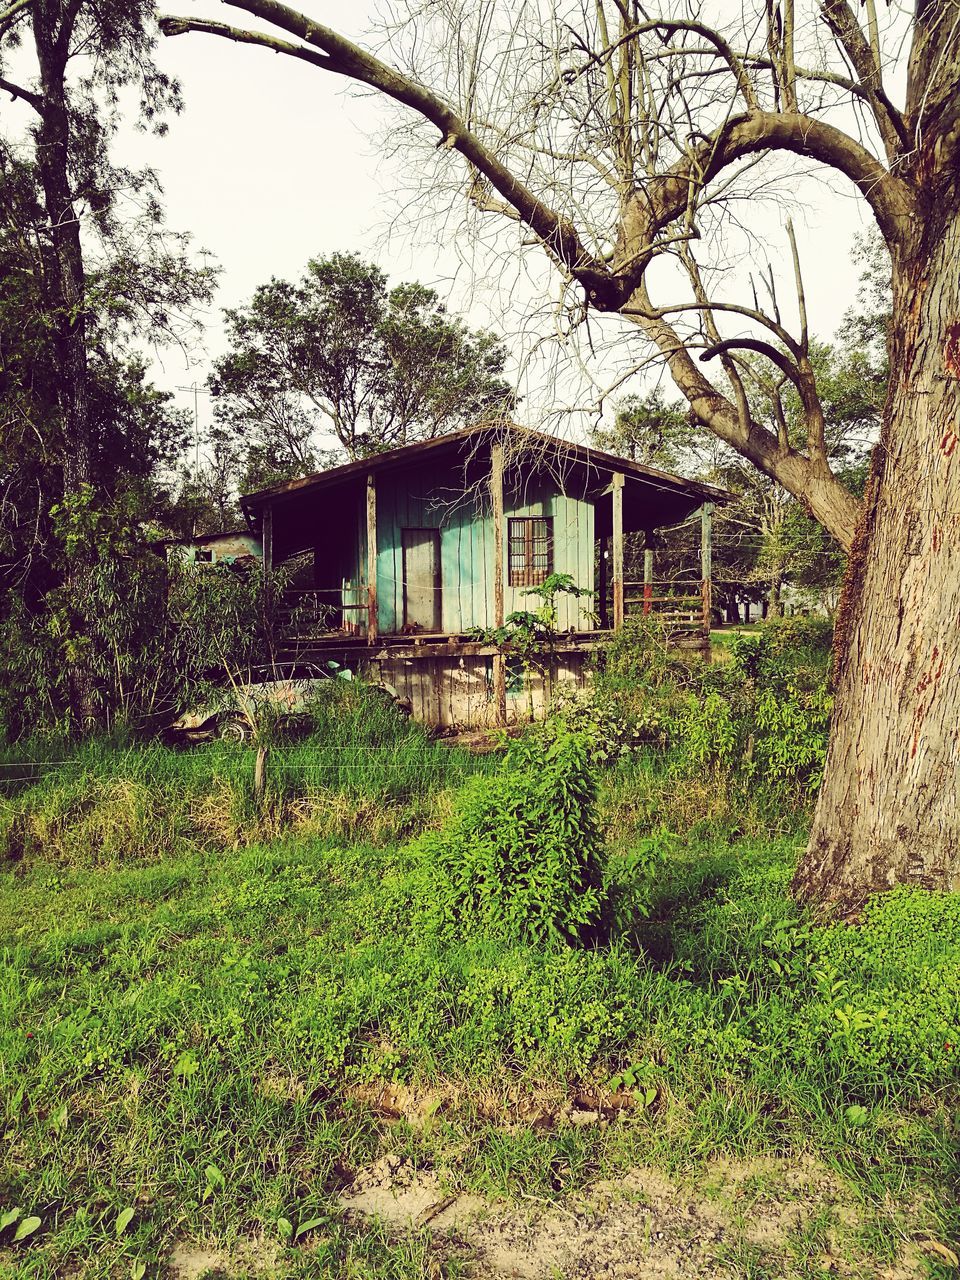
638, 1227
544, 1109
253, 1257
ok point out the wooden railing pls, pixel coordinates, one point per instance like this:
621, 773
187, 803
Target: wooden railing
684, 605
314, 612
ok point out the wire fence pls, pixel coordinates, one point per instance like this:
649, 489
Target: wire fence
376, 765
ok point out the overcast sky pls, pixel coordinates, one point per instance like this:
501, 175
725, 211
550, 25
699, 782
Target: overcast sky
274, 161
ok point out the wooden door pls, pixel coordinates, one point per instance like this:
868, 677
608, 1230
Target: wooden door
421, 579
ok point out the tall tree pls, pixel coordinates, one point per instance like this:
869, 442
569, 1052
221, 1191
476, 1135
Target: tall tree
85, 52
649, 430
341, 360
86, 276
618, 138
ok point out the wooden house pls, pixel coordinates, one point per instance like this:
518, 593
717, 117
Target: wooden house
415, 548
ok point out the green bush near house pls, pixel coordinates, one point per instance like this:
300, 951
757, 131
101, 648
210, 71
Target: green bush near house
520, 858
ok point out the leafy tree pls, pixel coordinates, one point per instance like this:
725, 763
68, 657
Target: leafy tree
341, 357
88, 270
205, 498
649, 430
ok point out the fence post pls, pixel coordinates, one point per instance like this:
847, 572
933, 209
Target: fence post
647, 573
618, 594
496, 502
260, 777
706, 569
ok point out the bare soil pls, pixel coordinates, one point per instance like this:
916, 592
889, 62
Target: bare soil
640, 1227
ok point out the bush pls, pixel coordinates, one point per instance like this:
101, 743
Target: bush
611, 727
520, 859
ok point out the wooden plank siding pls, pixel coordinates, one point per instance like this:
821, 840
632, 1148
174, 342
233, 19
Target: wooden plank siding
425, 497
451, 692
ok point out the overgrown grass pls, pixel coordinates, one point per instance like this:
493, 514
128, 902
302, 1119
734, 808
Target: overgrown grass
159, 1021
363, 770
201, 999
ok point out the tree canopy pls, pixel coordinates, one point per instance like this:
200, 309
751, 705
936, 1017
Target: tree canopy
341, 363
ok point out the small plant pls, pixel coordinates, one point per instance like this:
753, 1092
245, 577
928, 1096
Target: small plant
608, 727
529, 636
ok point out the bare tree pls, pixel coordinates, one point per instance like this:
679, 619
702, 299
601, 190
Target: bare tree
630, 146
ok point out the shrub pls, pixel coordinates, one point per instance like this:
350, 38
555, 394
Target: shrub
639, 655
610, 726
520, 858
790, 743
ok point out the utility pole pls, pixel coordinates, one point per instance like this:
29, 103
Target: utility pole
196, 389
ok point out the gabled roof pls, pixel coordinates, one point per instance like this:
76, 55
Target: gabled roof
540, 445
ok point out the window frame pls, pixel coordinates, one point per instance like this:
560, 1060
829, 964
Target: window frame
522, 567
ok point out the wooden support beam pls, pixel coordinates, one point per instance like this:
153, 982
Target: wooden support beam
706, 566
372, 624
499, 539
602, 585
647, 573
266, 534
617, 550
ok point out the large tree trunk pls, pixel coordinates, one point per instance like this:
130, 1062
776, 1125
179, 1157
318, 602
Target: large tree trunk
65, 281
64, 272
888, 812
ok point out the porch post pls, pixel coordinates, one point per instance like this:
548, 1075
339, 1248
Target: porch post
618, 601
372, 629
706, 566
266, 533
602, 580
496, 501
647, 573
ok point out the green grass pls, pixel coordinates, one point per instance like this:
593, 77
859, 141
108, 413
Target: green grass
200, 999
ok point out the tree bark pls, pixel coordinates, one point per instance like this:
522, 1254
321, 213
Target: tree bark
64, 272
53, 24
888, 811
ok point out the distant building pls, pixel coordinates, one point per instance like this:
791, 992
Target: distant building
234, 546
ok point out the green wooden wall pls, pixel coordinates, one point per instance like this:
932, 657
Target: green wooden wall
431, 496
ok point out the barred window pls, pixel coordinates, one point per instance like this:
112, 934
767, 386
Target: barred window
530, 540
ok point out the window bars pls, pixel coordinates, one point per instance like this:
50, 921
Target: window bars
530, 543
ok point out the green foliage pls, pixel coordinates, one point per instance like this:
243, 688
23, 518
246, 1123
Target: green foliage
362, 765
387, 367
609, 729
151, 634
529, 634
520, 858
790, 736
176, 1018
652, 431
638, 657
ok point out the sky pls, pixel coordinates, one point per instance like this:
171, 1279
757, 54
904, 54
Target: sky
273, 162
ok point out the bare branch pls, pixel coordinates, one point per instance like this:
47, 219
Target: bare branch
785, 365
801, 298
171, 26
15, 91
345, 58
10, 15
865, 60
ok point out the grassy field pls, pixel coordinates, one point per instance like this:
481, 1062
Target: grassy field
214, 1018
